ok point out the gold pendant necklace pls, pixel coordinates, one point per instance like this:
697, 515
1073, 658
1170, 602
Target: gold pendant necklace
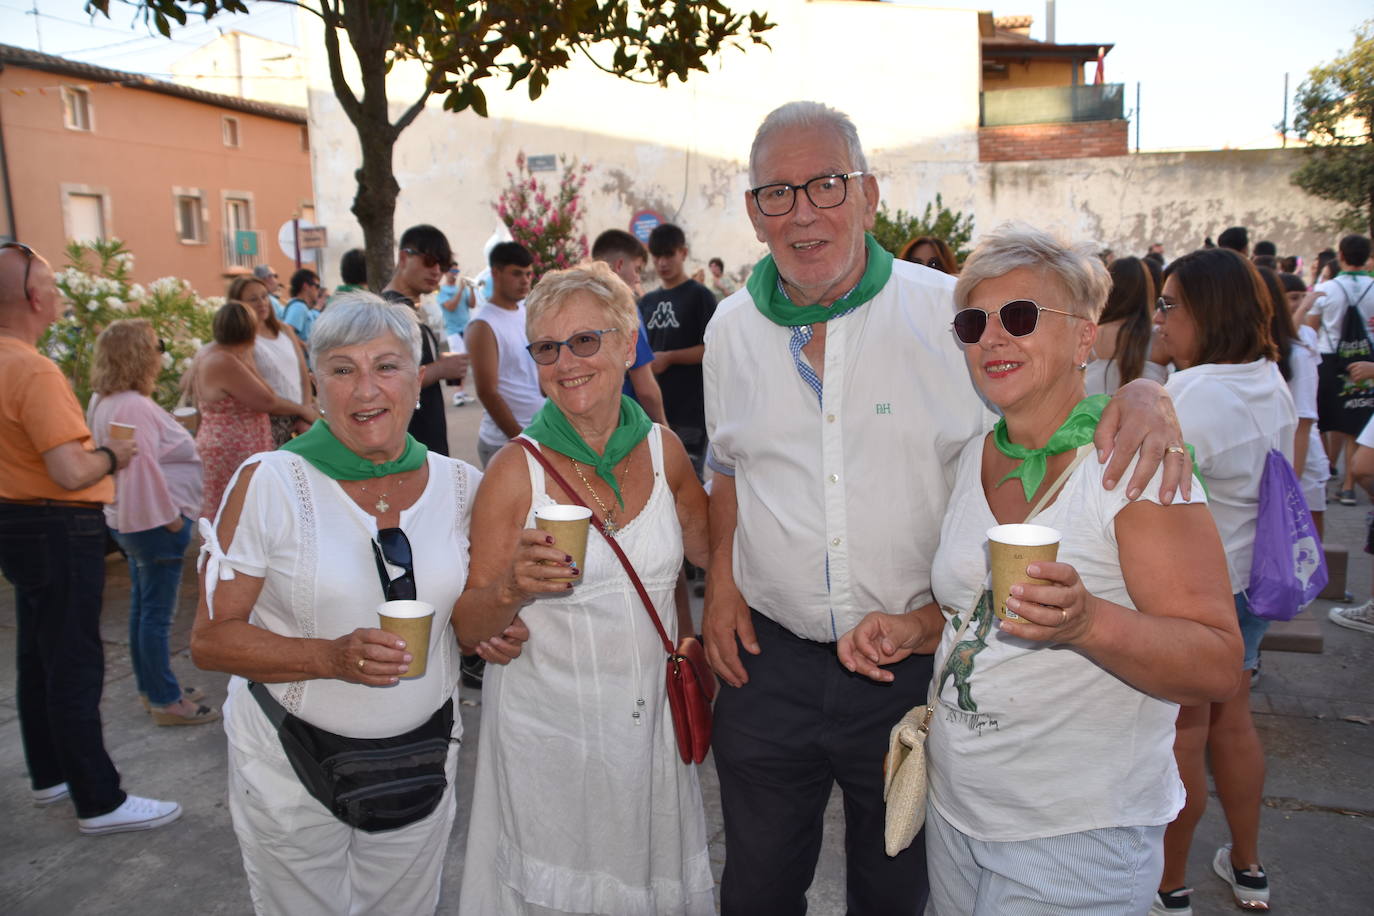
608, 524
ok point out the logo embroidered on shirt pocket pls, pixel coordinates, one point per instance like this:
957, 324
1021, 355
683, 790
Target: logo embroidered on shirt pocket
883, 408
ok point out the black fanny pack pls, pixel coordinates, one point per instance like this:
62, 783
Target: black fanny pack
373, 784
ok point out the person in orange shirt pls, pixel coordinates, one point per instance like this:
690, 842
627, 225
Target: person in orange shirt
52, 550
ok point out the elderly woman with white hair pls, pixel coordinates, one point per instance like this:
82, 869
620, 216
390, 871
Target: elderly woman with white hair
342, 758
581, 803
1051, 768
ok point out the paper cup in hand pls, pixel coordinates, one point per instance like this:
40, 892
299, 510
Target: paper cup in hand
569, 526
411, 621
121, 431
1011, 548
189, 417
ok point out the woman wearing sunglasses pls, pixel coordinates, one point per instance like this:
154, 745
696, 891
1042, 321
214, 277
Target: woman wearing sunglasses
1215, 316
1050, 756
311, 539
582, 804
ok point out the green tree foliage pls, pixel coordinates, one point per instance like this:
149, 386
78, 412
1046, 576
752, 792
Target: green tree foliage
462, 43
1335, 113
894, 230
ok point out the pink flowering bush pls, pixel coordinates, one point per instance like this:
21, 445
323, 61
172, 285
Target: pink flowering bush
549, 226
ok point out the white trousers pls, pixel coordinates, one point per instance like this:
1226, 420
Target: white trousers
303, 861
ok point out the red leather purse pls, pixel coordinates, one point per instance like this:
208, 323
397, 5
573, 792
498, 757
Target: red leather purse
691, 685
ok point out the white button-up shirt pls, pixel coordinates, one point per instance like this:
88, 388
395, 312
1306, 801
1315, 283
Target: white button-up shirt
840, 498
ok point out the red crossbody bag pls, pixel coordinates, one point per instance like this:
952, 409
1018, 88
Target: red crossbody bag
691, 685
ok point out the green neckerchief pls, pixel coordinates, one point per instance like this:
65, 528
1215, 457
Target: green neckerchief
777, 308
1077, 430
321, 447
551, 428
1357, 273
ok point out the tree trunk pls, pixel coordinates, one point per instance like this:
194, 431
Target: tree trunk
375, 204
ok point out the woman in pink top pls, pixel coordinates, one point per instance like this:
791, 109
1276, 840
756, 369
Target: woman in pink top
156, 496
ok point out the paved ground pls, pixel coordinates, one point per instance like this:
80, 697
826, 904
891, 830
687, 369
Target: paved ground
1313, 712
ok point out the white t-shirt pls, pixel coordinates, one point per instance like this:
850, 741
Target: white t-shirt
312, 545
1031, 740
839, 505
1103, 376
1233, 414
1342, 292
517, 374
1303, 362
277, 362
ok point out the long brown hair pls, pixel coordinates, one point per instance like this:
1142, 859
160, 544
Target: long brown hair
235, 293
948, 262
1227, 300
1281, 328
1130, 302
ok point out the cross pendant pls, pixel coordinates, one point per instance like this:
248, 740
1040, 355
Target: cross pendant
382, 505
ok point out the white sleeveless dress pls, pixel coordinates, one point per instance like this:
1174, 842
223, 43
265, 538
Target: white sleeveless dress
582, 804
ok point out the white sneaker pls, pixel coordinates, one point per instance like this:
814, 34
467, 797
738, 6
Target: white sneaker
135, 814
51, 795
1354, 618
1172, 903
459, 398
1249, 886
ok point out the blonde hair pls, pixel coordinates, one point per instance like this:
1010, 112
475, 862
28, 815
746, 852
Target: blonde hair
125, 360
1077, 268
595, 278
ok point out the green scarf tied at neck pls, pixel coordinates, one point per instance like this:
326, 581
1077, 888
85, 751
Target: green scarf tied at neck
777, 308
321, 447
1076, 431
549, 427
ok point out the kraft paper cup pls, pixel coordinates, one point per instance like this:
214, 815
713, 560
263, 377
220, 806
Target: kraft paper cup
411, 621
569, 526
1011, 548
121, 431
188, 417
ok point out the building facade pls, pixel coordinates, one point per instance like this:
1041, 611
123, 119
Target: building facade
196, 184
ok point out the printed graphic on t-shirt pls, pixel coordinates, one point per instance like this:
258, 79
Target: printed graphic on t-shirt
962, 657
664, 316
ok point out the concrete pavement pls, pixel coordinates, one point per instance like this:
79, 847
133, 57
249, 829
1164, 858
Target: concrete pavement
1313, 713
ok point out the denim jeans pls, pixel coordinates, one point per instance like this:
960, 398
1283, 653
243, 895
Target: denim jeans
155, 558
54, 556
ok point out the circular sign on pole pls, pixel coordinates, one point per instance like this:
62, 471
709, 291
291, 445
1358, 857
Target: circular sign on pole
286, 240
644, 222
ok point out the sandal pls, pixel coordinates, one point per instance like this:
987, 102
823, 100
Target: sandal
199, 715
194, 694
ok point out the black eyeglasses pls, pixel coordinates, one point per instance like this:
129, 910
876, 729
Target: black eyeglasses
161, 345
1019, 318
583, 343
28, 260
429, 260
824, 192
1164, 307
391, 546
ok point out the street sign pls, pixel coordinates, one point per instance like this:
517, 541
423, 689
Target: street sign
542, 163
313, 237
644, 222
286, 240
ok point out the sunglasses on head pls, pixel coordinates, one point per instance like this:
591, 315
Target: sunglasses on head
1019, 318
392, 547
429, 260
28, 260
583, 343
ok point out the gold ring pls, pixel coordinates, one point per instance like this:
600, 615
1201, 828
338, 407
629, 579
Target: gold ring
1063, 616
360, 663
1176, 449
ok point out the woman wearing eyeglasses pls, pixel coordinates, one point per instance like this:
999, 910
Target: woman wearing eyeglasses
156, 497
582, 804
311, 539
1051, 770
931, 252
1215, 316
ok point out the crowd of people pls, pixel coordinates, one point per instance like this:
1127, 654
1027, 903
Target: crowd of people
827, 446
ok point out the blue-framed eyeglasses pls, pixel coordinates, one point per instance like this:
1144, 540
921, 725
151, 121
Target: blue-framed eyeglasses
583, 343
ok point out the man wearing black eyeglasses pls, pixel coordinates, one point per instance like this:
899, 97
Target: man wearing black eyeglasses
837, 404
52, 550
420, 265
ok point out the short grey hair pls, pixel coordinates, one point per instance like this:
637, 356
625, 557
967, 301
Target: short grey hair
1011, 245
263, 271
813, 116
356, 317
595, 278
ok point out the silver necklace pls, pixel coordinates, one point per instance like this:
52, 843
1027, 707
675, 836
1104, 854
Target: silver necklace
381, 505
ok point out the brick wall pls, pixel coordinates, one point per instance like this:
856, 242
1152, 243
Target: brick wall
1070, 140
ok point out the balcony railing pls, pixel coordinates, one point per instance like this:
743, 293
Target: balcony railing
241, 248
1050, 105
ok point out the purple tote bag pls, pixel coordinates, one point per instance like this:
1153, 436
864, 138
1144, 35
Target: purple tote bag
1289, 565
